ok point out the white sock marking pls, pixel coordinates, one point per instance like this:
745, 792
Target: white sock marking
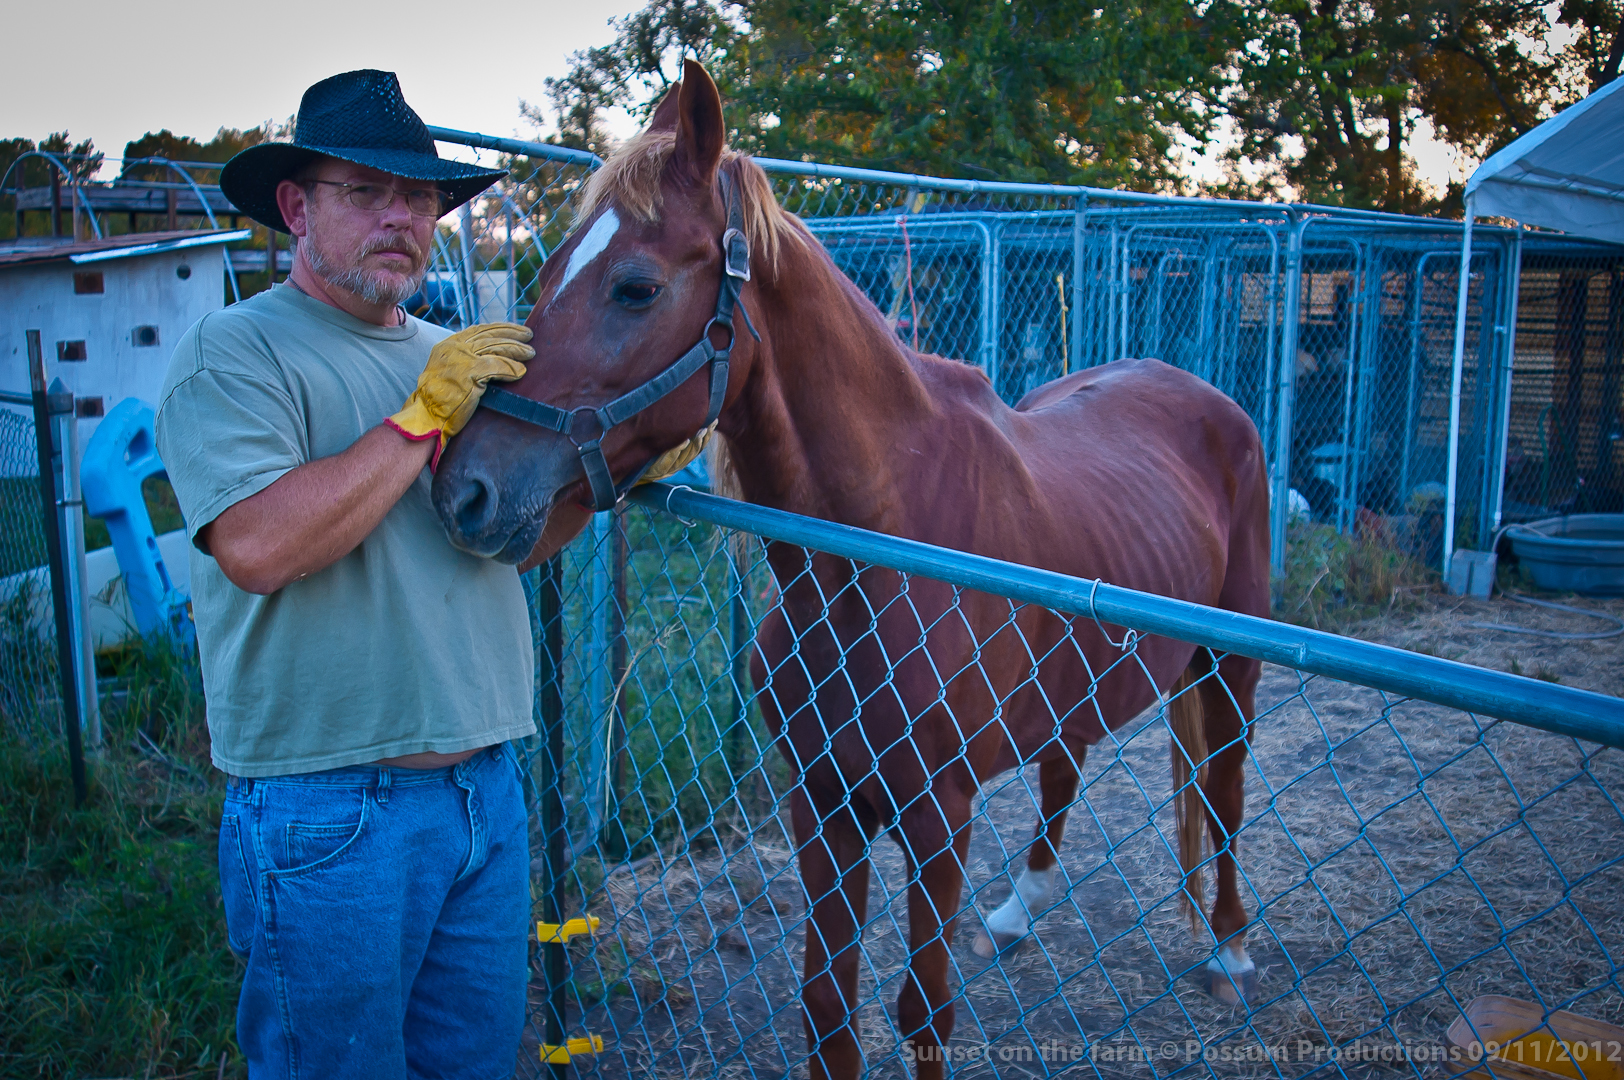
1014, 916
591, 246
1231, 960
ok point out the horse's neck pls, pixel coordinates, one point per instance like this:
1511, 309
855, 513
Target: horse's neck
831, 391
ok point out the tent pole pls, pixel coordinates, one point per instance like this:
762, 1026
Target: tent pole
1454, 388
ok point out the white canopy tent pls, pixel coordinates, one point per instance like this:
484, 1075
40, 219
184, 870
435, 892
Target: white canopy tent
1566, 174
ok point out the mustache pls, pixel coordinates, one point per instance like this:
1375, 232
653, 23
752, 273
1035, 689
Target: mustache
403, 245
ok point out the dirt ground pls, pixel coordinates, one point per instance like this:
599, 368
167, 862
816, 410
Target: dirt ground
1400, 859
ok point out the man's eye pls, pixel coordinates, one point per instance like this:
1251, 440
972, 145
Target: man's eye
366, 192
636, 292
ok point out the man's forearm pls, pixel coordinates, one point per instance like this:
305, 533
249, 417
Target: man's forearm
316, 514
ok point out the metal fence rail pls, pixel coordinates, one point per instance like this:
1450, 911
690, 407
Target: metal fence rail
1402, 849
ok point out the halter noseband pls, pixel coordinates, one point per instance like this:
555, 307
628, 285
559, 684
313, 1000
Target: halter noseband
586, 425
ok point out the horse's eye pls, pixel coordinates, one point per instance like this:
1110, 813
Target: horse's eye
636, 293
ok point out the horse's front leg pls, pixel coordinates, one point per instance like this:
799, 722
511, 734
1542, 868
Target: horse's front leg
935, 835
834, 865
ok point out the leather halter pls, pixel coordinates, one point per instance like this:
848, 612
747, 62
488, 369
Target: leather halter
587, 425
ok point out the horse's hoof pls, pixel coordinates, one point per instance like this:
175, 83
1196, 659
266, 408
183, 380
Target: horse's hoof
988, 946
1231, 987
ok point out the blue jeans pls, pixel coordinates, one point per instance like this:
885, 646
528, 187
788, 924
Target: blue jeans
384, 914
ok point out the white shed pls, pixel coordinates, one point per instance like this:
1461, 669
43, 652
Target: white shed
109, 311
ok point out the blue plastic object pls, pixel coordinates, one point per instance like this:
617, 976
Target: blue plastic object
122, 453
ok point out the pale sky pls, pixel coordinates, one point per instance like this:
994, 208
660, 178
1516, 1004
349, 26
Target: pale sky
113, 71
117, 70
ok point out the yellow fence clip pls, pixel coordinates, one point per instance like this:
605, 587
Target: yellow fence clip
560, 1055
551, 933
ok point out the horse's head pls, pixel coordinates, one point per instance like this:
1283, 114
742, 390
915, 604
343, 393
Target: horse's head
618, 304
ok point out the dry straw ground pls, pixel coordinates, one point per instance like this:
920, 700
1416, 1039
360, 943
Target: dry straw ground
1400, 858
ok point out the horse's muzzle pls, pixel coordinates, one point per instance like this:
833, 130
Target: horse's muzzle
495, 496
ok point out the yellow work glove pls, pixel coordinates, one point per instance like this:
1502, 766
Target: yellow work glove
449, 389
677, 458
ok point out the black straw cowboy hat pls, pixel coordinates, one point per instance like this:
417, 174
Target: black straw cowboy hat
359, 116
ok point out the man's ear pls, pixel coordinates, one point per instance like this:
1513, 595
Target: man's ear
291, 199
665, 113
700, 132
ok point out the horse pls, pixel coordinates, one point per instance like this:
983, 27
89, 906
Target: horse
894, 699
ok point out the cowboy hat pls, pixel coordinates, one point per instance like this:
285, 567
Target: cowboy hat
361, 117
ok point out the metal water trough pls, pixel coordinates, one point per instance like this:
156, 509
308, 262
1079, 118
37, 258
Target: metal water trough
1582, 553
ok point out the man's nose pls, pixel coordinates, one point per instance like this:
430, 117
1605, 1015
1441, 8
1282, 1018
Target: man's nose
397, 214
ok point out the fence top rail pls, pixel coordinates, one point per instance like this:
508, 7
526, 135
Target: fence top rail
1560, 709
820, 170
565, 154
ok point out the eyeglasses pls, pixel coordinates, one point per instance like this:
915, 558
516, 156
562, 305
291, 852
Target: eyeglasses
424, 202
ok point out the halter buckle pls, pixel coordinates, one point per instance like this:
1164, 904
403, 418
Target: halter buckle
736, 254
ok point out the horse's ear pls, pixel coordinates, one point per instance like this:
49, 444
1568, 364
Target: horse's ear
700, 134
665, 113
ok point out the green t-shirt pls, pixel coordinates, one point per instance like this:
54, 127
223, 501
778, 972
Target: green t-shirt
405, 644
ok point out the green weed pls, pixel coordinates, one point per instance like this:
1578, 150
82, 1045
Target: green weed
113, 960
1332, 580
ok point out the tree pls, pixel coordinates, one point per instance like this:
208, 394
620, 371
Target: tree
1328, 93
166, 144
1044, 90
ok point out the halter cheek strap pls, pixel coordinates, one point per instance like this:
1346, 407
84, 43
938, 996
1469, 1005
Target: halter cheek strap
587, 425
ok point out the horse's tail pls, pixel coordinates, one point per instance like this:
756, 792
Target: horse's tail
1189, 752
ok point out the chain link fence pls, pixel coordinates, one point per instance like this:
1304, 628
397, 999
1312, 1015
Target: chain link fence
1348, 375
29, 687
1399, 857
1564, 429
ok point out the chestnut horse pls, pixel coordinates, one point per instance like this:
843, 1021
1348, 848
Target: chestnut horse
894, 699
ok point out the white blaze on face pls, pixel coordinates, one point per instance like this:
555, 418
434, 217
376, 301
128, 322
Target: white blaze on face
591, 246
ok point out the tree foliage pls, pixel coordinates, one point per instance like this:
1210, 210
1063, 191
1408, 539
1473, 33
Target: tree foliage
1328, 94
1052, 90
1322, 97
166, 144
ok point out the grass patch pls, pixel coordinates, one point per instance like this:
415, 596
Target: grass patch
113, 957
1332, 579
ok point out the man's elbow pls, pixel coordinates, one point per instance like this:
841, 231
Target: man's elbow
245, 563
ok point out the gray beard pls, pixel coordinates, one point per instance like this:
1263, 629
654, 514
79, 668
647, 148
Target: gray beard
367, 286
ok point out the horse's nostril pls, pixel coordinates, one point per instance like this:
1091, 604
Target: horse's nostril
474, 506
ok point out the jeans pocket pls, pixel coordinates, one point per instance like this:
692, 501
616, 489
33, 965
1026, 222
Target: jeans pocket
309, 844
307, 828
236, 887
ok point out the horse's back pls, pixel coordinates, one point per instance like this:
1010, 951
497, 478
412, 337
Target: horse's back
1160, 469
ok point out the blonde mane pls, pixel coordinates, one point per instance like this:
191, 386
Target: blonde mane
630, 178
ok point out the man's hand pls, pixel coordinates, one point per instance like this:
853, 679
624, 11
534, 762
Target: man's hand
677, 458
452, 382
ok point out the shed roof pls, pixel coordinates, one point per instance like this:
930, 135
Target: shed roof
1565, 174
34, 249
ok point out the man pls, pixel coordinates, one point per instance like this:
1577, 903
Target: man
363, 677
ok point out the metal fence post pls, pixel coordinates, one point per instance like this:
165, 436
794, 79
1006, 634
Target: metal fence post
1078, 234
1464, 286
67, 667
554, 839
71, 518
1503, 436
1279, 511
600, 680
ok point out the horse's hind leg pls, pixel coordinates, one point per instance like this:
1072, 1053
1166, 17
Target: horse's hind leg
1228, 704
834, 871
1057, 778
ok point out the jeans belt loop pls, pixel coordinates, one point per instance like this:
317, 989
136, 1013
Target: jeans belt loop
382, 792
